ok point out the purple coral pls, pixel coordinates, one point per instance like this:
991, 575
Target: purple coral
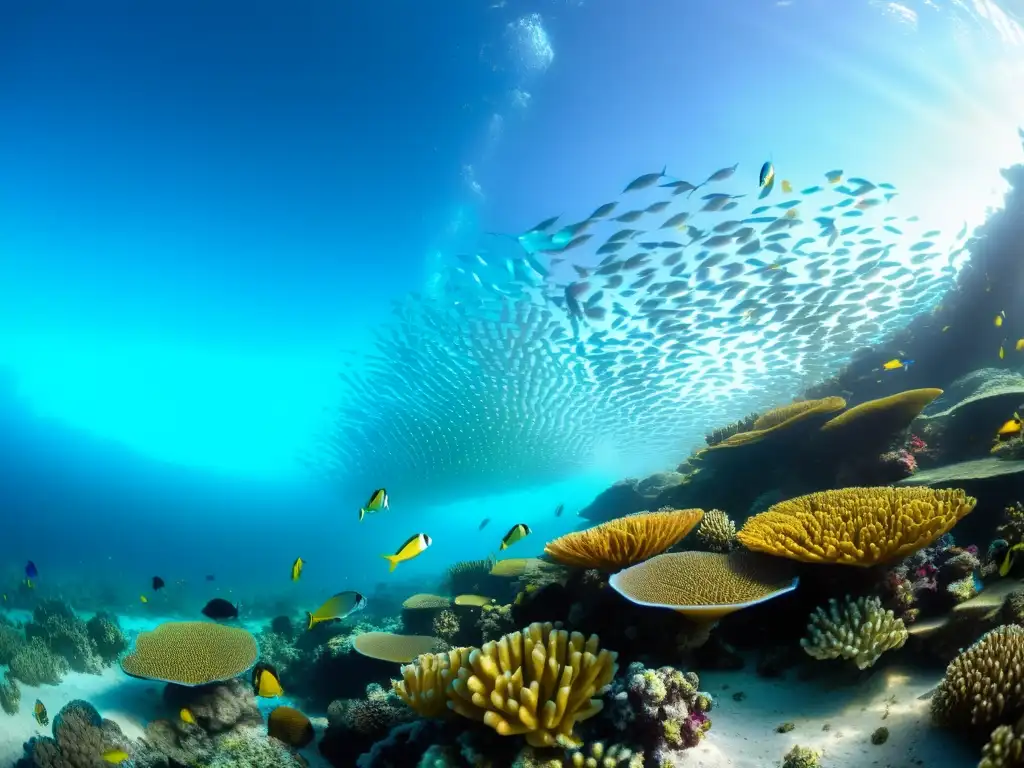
662, 710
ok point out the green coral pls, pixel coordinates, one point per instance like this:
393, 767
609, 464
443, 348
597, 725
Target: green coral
859, 630
248, 747
1005, 747
36, 664
802, 757
963, 589
10, 695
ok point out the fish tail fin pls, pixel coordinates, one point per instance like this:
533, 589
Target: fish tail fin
664, 170
392, 562
362, 513
309, 621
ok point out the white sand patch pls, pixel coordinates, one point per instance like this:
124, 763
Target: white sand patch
743, 732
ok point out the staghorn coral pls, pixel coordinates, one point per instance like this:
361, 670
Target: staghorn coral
446, 625
495, 621
537, 682
35, 664
620, 543
1005, 747
705, 585
716, 532
984, 685
10, 695
191, 653
856, 526
387, 646
106, 637
859, 630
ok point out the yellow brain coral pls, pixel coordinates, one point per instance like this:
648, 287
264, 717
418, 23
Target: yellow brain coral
984, 685
191, 653
625, 541
387, 646
856, 526
538, 683
705, 585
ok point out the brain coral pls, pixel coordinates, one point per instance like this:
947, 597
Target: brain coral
387, 646
856, 526
984, 685
624, 541
860, 630
538, 683
191, 653
705, 585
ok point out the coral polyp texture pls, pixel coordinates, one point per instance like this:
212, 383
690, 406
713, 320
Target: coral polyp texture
425, 602
538, 683
705, 585
859, 630
856, 526
191, 653
716, 532
388, 646
1005, 747
627, 540
984, 685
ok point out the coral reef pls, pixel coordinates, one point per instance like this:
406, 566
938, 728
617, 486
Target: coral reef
1005, 747
801, 757
10, 695
36, 664
495, 621
716, 532
12, 640
856, 526
446, 625
389, 646
859, 630
625, 541
191, 653
248, 747
80, 737
60, 629
107, 638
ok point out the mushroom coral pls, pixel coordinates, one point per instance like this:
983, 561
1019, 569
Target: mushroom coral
538, 683
856, 526
705, 586
625, 540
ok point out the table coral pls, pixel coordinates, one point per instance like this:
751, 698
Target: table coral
859, 630
191, 653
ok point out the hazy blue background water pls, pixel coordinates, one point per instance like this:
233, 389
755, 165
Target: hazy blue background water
200, 204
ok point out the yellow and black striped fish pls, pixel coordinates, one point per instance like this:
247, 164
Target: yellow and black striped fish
518, 532
378, 501
39, 712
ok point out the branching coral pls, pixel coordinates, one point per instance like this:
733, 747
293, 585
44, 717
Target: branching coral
716, 532
620, 543
55, 623
12, 640
856, 526
106, 636
495, 621
538, 682
984, 685
1005, 747
10, 695
446, 624
35, 664
859, 630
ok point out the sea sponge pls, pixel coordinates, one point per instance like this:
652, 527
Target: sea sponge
425, 602
984, 685
627, 540
35, 664
856, 526
705, 585
387, 646
537, 682
884, 416
860, 630
716, 532
289, 725
191, 653
10, 695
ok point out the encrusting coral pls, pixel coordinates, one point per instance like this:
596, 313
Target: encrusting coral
859, 630
537, 682
625, 541
716, 532
856, 526
984, 685
191, 653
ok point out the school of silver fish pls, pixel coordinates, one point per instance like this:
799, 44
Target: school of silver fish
629, 333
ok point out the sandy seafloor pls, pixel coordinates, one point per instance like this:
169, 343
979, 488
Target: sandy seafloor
743, 732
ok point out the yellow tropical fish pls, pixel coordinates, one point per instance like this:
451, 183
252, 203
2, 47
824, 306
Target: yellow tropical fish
378, 501
115, 756
143, 598
474, 601
1019, 345
186, 716
892, 365
39, 713
415, 545
29, 584
337, 607
265, 683
1009, 559
999, 319
1011, 428
297, 568
1002, 352
786, 187
518, 532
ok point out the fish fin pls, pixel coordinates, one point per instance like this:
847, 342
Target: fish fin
362, 514
392, 562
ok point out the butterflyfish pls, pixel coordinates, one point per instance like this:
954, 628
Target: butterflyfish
337, 607
39, 713
1010, 558
518, 532
265, 682
378, 501
415, 545
115, 756
297, 568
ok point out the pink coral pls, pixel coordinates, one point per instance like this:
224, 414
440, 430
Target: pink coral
916, 444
